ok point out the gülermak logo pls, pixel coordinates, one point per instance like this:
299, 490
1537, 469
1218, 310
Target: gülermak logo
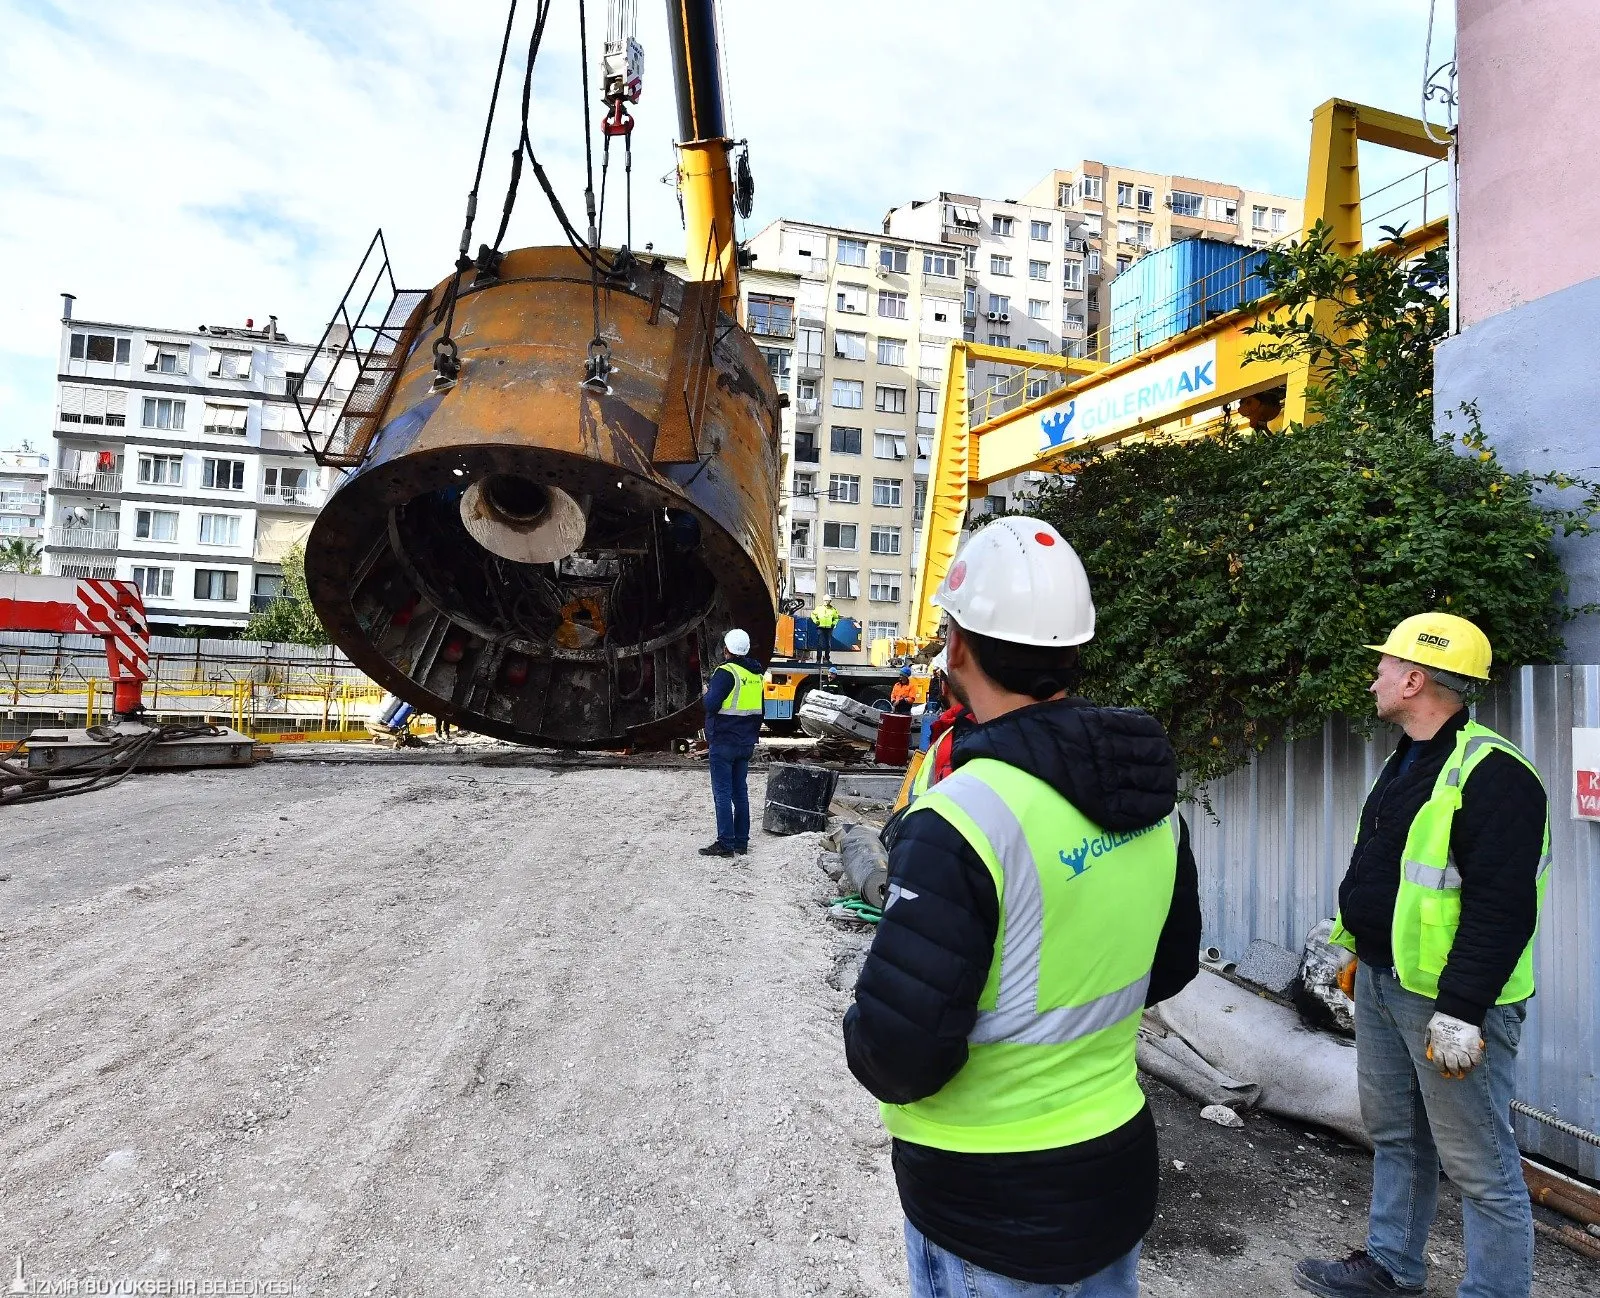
1057, 422
1080, 858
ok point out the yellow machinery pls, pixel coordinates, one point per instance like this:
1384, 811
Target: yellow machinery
1196, 372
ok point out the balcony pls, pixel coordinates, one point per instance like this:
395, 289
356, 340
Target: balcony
960, 234
807, 455
808, 364
807, 408
1076, 247
84, 538
288, 496
21, 502
261, 603
802, 553
99, 484
1073, 327
805, 506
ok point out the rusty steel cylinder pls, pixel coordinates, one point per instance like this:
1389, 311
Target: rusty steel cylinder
546, 561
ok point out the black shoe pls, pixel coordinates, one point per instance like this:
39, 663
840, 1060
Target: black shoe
742, 851
1358, 1276
716, 849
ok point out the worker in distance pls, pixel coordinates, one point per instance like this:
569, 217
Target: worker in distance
1041, 895
1437, 914
825, 617
733, 723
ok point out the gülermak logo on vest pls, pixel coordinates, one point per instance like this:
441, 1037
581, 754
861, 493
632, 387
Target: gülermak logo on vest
1133, 398
1078, 859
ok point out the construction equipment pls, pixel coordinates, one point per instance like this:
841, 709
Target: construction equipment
112, 610
563, 461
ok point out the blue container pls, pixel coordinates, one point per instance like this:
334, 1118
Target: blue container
807, 638
1182, 286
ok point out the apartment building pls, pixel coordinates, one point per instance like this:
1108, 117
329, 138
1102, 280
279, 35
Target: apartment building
1121, 214
22, 486
179, 464
874, 317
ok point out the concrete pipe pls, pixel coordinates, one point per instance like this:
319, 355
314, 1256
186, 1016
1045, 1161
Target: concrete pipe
544, 561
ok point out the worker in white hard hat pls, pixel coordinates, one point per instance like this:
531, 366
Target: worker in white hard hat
825, 617
733, 724
1041, 895
1437, 912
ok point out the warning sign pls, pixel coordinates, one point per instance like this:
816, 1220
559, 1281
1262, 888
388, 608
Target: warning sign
1585, 773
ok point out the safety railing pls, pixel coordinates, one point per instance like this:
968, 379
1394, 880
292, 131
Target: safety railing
97, 483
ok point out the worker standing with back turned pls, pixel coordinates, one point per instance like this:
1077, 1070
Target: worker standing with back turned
733, 724
1041, 896
1439, 906
825, 617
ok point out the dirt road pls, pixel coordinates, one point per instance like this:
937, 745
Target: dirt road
357, 1030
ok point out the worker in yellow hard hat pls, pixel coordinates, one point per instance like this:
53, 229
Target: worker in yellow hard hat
1440, 905
1041, 895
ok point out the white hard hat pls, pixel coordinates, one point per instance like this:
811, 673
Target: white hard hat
737, 642
1018, 580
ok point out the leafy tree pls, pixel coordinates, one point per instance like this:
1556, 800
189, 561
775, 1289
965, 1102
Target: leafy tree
289, 619
1239, 576
17, 555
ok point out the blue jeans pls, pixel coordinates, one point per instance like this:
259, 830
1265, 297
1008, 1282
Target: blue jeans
1418, 1119
938, 1273
730, 767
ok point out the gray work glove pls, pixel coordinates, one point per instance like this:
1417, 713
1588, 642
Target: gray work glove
1453, 1047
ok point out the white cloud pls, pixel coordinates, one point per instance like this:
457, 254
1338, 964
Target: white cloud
174, 162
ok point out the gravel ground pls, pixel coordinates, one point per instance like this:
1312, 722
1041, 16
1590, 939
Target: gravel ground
355, 1030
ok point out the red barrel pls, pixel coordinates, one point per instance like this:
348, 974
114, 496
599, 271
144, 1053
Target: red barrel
894, 739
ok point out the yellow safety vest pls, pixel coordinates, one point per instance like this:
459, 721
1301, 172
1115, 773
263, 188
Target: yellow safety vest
1050, 1061
745, 701
826, 618
1427, 908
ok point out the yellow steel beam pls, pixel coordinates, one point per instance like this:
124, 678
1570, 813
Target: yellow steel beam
944, 509
705, 179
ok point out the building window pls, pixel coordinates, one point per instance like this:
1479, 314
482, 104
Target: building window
154, 583
287, 485
1003, 226
1038, 387
222, 475
219, 529
1063, 193
156, 525
999, 265
1124, 193
890, 400
851, 299
1186, 204
1127, 231
1039, 230
847, 393
1071, 317
891, 351
1037, 345
894, 259
1072, 275
1147, 199
771, 316
806, 450
852, 252
228, 364
943, 264
216, 583
227, 420
1279, 216
805, 484
800, 539
1072, 347
1258, 218
1094, 299
844, 488
886, 492
844, 441
778, 366
1037, 308
970, 258
919, 501
882, 631
806, 390
927, 402
1038, 270
1145, 234
885, 587
885, 540
844, 583
838, 536
161, 470
933, 374
999, 304
892, 306
1091, 263
161, 412
1123, 262
888, 445
294, 382
104, 348
166, 358
1222, 209
999, 340
1094, 187
810, 346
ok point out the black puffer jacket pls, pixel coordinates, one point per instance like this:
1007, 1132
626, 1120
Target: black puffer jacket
1052, 1216
1496, 840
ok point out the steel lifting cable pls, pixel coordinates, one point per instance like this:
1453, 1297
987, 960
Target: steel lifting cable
597, 369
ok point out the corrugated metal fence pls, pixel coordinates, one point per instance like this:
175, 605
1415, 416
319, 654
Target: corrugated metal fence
1277, 841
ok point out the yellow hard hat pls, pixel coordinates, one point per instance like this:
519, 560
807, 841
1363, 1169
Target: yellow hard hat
1440, 640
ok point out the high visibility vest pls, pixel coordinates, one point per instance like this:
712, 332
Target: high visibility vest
1050, 1061
925, 777
825, 617
745, 701
1427, 908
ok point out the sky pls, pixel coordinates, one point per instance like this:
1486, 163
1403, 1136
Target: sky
184, 162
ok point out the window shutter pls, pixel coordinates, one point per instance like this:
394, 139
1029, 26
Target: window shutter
72, 401
152, 356
116, 403
183, 360
94, 404
216, 362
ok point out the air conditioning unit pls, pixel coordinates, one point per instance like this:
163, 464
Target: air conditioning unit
1169, 200
993, 316
882, 272
845, 306
1004, 317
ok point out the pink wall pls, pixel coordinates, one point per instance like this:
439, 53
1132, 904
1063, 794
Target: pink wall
1529, 216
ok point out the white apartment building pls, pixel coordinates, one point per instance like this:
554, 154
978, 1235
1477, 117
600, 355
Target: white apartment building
874, 318
22, 486
179, 465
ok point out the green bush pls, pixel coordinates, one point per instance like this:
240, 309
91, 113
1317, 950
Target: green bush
289, 619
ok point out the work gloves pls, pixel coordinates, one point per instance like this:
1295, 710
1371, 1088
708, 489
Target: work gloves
1453, 1047
1345, 978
